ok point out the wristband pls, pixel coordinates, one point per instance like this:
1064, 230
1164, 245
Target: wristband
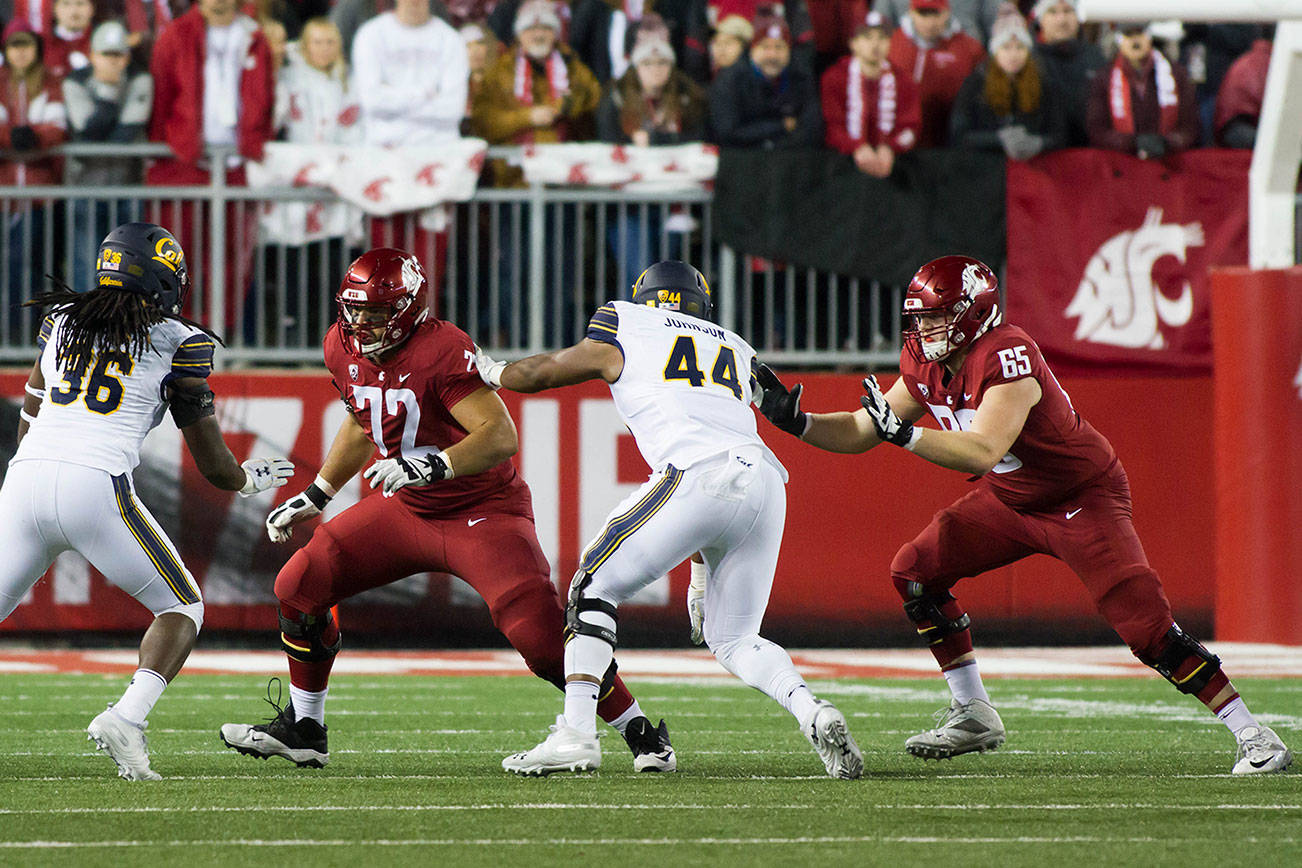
699, 572
35, 393
447, 464
316, 496
915, 434
804, 427
326, 488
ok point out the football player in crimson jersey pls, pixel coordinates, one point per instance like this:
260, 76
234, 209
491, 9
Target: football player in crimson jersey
1051, 484
451, 502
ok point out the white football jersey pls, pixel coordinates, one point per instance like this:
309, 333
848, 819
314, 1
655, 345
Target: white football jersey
686, 388
99, 416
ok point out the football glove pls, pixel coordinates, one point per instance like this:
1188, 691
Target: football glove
490, 370
400, 472
306, 504
779, 406
890, 427
696, 602
263, 473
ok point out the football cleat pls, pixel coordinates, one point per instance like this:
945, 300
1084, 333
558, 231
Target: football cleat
828, 733
959, 729
566, 749
125, 744
302, 741
1260, 751
652, 751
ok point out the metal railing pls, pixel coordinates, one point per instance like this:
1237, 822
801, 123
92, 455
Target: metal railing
520, 269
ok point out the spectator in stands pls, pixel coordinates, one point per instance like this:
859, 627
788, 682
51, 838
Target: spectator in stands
481, 50
766, 101
350, 15
1207, 52
67, 45
835, 23
277, 42
870, 107
313, 102
1238, 106
976, 18
106, 101
31, 120
213, 88
729, 43
410, 74
536, 92
930, 45
1008, 104
1144, 104
653, 103
603, 32
1071, 61
794, 13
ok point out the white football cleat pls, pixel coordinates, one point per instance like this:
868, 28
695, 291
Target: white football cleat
566, 749
1260, 751
828, 733
960, 729
125, 744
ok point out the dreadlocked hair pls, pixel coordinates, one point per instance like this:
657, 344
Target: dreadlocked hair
104, 320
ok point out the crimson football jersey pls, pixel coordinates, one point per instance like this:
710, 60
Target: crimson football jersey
403, 404
1057, 451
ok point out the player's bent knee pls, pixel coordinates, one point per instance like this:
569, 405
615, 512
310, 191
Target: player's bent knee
309, 638
1183, 661
193, 611
304, 580
935, 614
586, 615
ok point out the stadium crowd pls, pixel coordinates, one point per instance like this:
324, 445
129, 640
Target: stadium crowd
868, 81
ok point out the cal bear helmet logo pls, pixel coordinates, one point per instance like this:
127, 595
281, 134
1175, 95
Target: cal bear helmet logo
169, 253
669, 298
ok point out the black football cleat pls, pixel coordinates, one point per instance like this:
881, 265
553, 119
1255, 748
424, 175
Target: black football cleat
652, 751
302, 741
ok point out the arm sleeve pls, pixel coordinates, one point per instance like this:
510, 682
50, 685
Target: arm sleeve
193, 357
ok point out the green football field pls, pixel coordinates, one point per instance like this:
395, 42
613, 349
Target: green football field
1095, 771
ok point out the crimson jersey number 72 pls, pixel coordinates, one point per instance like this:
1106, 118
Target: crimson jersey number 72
380, 401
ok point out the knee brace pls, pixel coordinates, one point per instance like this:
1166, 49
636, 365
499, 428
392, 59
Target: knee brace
924, 611
302, 637
579, 604
193, 611
1184, 661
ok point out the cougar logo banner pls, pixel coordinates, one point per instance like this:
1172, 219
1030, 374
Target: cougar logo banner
1117, 302
1109, 256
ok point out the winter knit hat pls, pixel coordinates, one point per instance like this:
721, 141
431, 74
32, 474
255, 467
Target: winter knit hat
1009, 24
873, 21
537, 13
652, 47
19, 27
1043, 6
736, 27
770, 26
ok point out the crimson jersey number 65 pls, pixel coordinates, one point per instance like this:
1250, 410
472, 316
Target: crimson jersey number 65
1014, 361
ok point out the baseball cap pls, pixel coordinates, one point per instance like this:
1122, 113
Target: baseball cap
110, 38
929, 5
873, 21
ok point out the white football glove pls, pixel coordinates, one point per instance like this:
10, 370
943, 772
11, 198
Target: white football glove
302, 506
696, 602
490, 370
263, 473
400, 472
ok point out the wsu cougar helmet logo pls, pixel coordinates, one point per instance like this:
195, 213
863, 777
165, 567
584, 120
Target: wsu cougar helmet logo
1117, 302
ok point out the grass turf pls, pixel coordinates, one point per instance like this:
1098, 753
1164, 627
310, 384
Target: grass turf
1116, 772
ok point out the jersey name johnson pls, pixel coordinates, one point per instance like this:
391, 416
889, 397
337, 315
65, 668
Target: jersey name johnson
685, 389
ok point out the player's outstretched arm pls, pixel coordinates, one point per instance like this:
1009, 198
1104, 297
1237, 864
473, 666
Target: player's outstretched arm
586, 360
491, 437
192, 410
31, 401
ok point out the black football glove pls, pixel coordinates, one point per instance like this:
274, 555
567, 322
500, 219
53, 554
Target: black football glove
779, 406
890, 427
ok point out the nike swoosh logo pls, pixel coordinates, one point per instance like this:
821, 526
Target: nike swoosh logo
1257, 765
1073, 512
967, 397
402, 378
471, 522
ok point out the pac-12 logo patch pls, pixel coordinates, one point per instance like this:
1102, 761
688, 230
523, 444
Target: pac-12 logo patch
352, 372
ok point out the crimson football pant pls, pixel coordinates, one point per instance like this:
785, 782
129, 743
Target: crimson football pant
1091, 532
379, 541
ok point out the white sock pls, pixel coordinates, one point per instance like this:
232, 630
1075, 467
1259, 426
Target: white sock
965, 683
138, 700
308, 703
633, 712
1236, 716
581, 705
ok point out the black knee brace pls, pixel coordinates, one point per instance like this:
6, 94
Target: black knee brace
1181, 651
607, 681
301, 637
933, 626
574, 625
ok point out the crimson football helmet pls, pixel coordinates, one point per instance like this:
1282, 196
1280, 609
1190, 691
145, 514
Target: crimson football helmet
381, 300
961, 289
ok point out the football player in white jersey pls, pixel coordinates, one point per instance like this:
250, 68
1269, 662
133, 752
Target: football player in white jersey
683, 386
115, 358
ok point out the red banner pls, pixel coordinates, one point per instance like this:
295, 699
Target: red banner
1108, 255
847, 515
